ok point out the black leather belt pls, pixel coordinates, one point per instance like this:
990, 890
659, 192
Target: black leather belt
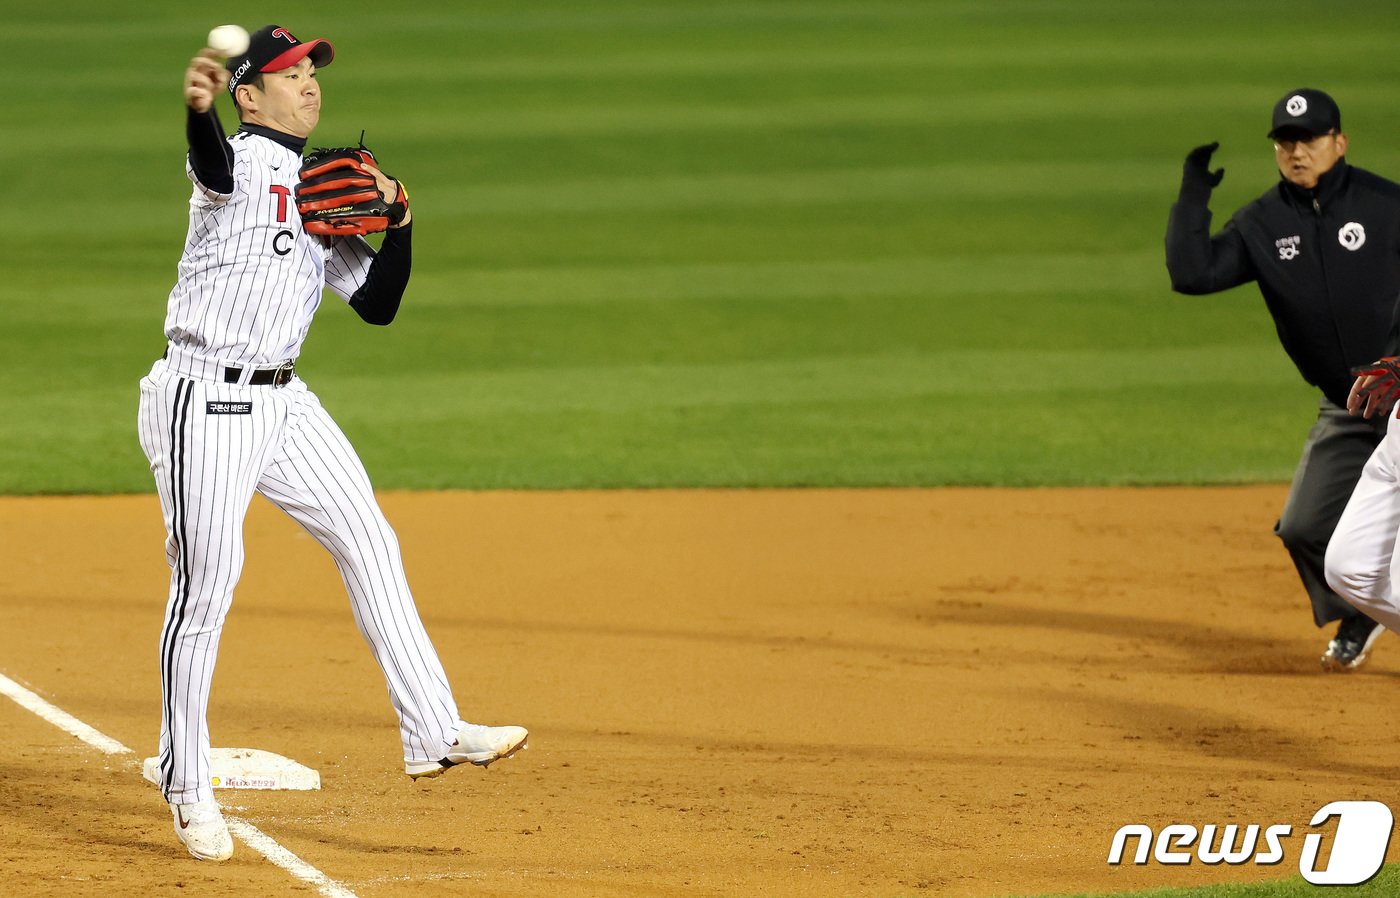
262, 377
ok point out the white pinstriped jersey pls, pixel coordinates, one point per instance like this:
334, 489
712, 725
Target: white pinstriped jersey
251, 279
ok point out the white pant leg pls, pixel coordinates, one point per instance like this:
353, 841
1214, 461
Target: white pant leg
206, 465
1361, 559
318, 480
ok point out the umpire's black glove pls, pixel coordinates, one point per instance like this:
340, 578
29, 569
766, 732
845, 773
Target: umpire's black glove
1197, 179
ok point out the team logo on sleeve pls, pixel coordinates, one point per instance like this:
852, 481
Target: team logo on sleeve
1352, 236
1289, 247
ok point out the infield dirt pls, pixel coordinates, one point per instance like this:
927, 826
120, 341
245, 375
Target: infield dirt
869, 693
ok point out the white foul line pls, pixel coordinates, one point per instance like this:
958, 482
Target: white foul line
263, 844
251, 836
59, 718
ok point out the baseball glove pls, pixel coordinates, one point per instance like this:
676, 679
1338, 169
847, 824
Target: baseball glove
338, 194
1377, 386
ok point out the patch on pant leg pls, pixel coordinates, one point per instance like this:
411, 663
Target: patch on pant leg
228, 408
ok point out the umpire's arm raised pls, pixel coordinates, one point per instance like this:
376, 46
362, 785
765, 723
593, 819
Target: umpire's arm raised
1197, 262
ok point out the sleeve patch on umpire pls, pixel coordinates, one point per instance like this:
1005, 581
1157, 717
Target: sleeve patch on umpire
229, 408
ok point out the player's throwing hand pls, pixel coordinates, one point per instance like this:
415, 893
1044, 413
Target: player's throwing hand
205, 77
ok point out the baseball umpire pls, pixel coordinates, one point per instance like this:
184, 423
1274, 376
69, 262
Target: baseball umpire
1324, 246
225, 414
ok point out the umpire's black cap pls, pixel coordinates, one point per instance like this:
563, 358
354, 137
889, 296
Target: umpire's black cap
272, 48
1307, 110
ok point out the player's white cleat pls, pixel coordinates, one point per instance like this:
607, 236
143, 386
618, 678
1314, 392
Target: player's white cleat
201, 827
475, 744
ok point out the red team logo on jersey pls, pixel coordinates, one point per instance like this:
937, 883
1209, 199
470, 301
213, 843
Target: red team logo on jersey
282, 240
282, 193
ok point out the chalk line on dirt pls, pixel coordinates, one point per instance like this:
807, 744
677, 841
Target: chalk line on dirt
249, 834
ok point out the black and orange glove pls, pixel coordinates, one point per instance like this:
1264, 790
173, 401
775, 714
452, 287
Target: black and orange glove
339, 195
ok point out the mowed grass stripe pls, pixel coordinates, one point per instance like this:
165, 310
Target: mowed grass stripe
969, 183
879, 442
985, 375
927, 277
915, 107
964, 183
1062, 59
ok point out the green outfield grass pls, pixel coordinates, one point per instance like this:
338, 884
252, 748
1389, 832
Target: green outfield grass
730, 243
1385, 884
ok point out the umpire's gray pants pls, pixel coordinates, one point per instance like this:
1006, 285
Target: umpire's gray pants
1337, 449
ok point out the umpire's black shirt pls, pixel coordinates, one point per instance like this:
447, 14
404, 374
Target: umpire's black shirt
1327, 261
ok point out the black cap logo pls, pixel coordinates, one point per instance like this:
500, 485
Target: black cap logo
1306, 111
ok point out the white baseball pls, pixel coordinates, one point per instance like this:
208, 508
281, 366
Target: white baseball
229, 40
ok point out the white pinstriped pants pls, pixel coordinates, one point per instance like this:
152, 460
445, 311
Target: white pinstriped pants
1361, 563
211, 445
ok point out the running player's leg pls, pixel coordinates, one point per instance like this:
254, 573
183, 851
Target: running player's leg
205, 462
1361, 555
317, 478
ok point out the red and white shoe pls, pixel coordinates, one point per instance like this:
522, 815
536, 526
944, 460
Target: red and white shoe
475, 744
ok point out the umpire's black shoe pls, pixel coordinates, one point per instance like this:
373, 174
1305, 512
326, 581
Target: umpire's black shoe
1352, 645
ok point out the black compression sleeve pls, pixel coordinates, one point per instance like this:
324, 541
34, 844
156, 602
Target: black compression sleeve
210, 155
377, 300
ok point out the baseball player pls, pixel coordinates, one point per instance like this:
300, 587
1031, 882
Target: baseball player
224, 414
1361, 556
1324, 247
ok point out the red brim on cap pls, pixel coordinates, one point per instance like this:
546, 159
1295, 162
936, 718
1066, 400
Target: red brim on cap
320, 51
